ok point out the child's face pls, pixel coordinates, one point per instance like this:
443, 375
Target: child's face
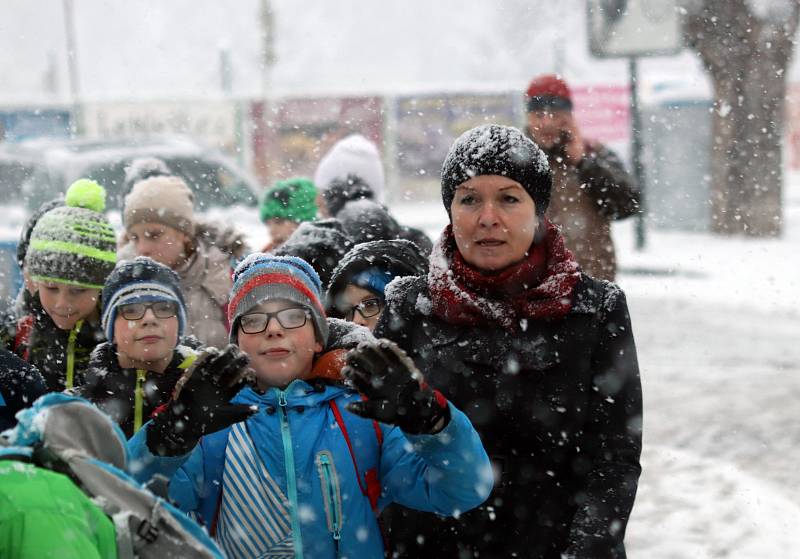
67, 304
359, 302
162, 243
148, 340
278, 354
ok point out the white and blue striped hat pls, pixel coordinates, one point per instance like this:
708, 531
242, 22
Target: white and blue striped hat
142, 280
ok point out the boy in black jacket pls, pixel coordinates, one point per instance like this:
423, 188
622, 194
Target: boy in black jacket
144, 316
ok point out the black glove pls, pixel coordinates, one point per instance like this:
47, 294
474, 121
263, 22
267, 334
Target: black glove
395, 389
200, 403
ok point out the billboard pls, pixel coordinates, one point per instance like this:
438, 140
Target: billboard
212, 122
290, 136
427, 125
619, 28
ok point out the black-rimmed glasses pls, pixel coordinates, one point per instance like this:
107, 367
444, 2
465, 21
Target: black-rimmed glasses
161, 309
366, 308
257, 322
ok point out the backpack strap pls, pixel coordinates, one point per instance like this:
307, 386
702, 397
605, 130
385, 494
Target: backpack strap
370, 486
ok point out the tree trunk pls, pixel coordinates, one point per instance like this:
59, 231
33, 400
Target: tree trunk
746, 55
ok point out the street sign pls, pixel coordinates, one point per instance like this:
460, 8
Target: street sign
623, 28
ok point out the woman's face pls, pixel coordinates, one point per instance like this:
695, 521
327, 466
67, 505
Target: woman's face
494, 222
160, 242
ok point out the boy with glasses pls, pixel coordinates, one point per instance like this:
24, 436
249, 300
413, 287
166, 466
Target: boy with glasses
144, 317
305, 464
357, 291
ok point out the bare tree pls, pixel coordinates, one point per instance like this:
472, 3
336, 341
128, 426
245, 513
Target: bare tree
746, 46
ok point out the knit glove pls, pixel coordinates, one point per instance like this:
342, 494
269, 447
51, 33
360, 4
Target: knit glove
200, 403
395, 390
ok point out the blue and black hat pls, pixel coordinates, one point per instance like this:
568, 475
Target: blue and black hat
142, 280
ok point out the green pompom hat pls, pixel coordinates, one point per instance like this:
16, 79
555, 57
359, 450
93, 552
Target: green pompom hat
294, 199
74, 243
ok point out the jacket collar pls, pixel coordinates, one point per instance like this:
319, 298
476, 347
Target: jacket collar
298, 393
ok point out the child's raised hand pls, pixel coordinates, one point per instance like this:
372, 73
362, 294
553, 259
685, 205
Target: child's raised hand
200, 403
395, 389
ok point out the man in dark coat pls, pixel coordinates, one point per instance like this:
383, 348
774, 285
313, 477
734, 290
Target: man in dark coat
591, 187
547, 373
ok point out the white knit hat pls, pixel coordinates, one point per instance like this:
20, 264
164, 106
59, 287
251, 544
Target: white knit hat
353, 155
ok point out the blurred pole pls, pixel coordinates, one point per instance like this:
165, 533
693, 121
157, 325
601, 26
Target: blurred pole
268, 58
636, 151
267, 47
76, 124
226, 83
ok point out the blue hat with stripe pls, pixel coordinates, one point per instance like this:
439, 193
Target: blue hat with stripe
142, 280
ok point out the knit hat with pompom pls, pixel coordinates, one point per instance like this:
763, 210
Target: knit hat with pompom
74, 243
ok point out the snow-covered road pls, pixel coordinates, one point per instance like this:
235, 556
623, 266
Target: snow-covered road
721, 389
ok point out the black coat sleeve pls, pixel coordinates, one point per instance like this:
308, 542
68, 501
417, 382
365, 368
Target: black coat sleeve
603, 175
613, 438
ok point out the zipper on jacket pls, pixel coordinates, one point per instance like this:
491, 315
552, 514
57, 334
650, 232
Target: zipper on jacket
330, 495
73, 335
291, 478
138, 399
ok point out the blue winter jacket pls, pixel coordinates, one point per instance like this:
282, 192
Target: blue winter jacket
298, 440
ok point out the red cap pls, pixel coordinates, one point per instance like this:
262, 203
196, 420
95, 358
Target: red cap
550, 85
549, 90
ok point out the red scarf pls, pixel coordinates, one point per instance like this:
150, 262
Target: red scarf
538, 288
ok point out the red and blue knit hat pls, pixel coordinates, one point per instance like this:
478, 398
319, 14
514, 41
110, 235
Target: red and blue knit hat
263, 277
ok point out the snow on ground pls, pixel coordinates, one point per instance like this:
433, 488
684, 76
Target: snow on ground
717, 326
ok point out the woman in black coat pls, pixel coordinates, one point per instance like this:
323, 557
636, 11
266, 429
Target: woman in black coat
539, 355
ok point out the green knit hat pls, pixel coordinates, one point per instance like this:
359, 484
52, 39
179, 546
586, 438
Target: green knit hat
74, 243
294, 199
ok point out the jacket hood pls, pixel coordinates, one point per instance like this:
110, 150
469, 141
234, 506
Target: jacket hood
398, 257
69, 425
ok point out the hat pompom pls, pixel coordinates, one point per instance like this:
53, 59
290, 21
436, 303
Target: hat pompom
86, 193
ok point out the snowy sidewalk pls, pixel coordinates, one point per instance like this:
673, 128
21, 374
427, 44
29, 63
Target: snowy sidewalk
718, 333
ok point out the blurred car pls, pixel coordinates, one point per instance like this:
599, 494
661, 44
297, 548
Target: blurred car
34, 171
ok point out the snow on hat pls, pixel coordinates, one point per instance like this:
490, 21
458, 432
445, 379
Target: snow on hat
354, 155
27, 229
74, 243
366, 220
262, 277
161, 199
374, 264
548, 92
341, 192
321, 243
141, 280
294, 199
492, 149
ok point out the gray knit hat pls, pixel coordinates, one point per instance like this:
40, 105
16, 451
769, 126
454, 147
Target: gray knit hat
74, 243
